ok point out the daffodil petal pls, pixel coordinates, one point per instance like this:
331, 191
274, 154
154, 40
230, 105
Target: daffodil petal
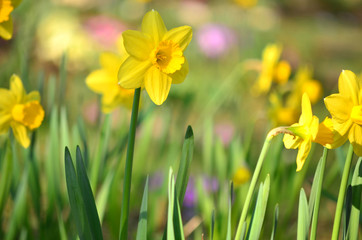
355, 137
20, 134
6, 29
307, 115
342, 128
303, 152
291, 142
5, 119
132, 73
100, 81
181, 35
153, 25
338, 140
137, 44
157, 85
7, 99
348, 86
32, 96
179, 76
111, 62
313, 127
339, 106
16, 86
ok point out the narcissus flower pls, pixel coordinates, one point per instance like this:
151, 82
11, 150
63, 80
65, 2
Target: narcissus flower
306, 131
241, 176
156, 57
105, 81
6, 23
20, 111
346, 110
272, 69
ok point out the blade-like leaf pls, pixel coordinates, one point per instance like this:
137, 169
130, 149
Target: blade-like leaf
183, 170
303, 217
171, 199
88, 199
275, 221
228, 234
142, 222
5, 178
212, 225
177, 221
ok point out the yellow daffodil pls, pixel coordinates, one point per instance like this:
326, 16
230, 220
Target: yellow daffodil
241, 176
346, 110
272, 69
282, 114
156, 57
6, 23
246, 3
105, 81
20, 111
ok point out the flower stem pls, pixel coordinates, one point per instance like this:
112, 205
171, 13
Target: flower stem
313, 232
128, 171
342, 193
253, 183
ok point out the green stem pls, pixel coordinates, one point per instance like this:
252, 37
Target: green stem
313, 232
342, 193
253, 182
128, 171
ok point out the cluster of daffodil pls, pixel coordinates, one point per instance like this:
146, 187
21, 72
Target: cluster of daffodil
20, 111
6, 23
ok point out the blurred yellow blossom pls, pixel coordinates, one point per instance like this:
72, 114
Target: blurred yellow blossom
246, 3
346, 110
241, 176
306, 131
6, 23
105, 81
20, 111
156, 57
272, 69
281, 113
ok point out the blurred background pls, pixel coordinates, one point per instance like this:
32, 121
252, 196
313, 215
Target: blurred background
250, 62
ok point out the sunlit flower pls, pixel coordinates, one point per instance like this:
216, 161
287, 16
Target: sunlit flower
156, 57
241, 176
272, 70
346, 110
246, 3
306, 131
6, 23
105, 81
20, 111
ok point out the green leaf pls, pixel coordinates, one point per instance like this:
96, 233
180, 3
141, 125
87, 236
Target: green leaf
212, 225
88, 199
303, 217
260, 208
6, 176
171, 199
142, 222
185, 162
228, 234
177, 221
355, 203
275, 221
103, 195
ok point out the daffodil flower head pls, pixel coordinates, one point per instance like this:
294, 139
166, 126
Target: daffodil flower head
105, 81
156, 57
6, 24
241, 176
20, 111
305, 131
346, 110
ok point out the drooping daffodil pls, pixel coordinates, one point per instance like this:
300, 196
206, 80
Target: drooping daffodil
20, 111
6, 23
156, 57
346, 110
306, 131
105, 81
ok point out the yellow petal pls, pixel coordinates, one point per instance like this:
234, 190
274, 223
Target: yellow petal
303, 152
291, 142
110, 101
157, 85
32, 96
181, 35
338, 140
339, 106
20, 134
7, 99
355, 137
306, 117
100, 81
6, 29
111, 62
313, 127
153, 25
179, 76
5, 119
342, 128
137, 44
16, 87
132, 73
325, 132
349, 86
